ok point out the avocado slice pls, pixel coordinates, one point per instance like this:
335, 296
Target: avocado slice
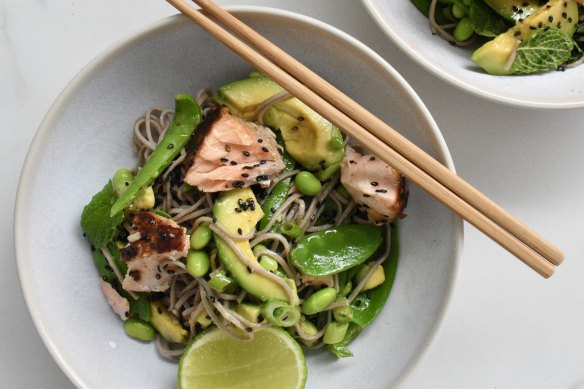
494, 55
165, 324
229, 214
514, 10
307, 135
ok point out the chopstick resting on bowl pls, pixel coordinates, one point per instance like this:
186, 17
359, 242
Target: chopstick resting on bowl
380, 138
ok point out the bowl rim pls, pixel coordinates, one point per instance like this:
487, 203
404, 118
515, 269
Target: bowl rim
47, 124
372, 8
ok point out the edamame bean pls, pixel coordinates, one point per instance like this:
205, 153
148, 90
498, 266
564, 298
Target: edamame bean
291, 229
198, 263
458, 11
268, 263
463, 30
318, 301
307, 183
139, 329
337, 142
201, 237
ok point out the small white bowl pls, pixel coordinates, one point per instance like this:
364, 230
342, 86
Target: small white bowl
408, 28
86, 137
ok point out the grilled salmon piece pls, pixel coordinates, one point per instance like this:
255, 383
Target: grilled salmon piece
119, 304
157, 243
228, 152
377, 188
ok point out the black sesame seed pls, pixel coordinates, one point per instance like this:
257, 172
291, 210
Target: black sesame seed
517, 33
265, 149
246, 153
240, 202
263, 162
252, 207
294, 128
212, 299
233, 163
170, 146
564, 15
227, 148
261, 178
551, 18
248, 329
374, 183
525, 4
239, 231
381, 190
570, 20
372, 158
238, 210
559, 24
301, 118
273, 209
532, 28
260, 140
514, 8
214, 219
224, 160
540, 24
280, 152
366, 195
520, 11
244, 175
351, 162
238, 184
159, 310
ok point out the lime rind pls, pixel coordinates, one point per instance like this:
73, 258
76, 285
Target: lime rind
215, 360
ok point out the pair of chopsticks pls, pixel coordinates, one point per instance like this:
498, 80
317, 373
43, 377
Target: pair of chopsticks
380, 138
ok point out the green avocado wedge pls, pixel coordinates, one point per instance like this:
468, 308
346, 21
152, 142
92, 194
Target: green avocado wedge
514, 10
495, 56
230, 215
308, 137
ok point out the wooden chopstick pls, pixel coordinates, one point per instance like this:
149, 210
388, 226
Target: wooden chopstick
361, 135
385, 133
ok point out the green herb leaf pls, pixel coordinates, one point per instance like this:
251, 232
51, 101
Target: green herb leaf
95, 218
544, 50
486, 22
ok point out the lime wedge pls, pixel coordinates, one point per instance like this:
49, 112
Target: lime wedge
215, 360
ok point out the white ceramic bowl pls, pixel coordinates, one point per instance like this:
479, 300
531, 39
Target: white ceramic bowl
86, 136
409, 30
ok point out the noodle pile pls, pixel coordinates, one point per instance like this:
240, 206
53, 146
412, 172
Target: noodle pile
190, 297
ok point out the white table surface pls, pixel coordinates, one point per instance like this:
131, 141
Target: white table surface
506, 327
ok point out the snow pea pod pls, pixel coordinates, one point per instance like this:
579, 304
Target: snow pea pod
367, 305
279, 192
335, 249
187, 116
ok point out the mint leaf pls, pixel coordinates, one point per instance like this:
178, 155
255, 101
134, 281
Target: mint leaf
486, 22
96, 222
544, 50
